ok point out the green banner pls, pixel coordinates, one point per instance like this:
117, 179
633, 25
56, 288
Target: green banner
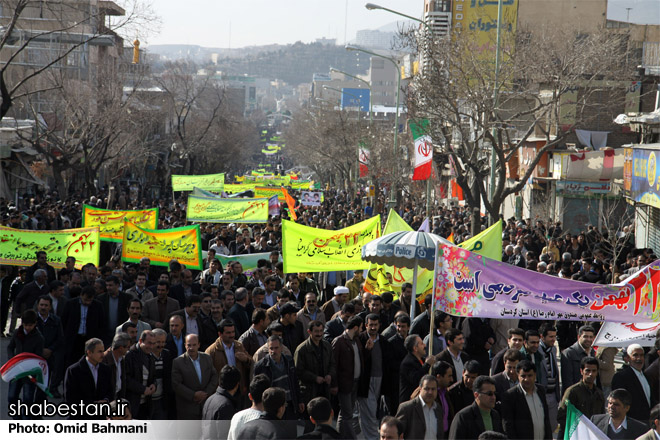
306, 249
213, 210
210, 182
20, 246
487, 243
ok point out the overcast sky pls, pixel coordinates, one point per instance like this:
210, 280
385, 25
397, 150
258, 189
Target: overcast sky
239, 23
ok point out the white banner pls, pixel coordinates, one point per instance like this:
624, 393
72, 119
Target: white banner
615, 334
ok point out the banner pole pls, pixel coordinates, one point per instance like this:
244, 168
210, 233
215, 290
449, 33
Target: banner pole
414, 293
438, 254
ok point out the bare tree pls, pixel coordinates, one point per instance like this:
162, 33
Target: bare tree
549, 83
38, 36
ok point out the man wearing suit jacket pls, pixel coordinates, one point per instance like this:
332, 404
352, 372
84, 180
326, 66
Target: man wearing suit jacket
115, 307
413, 367
508, 378
57, 296
50, 327
633, 380
616, 424
187, 288
82, 319
481, 416
114, 358
348, 351
524, 408
654, 432
226, 350
193, 380
88, 380
141, 375
175, 342
335, 327
415, 413
156, 310
193, 323
454, 354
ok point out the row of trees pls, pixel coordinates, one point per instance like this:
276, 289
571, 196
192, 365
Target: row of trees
98, 111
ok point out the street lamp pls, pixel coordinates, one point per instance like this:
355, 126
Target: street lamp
332, 69
392, 201
371, 7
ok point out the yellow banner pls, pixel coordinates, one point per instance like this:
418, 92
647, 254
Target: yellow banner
111, 223
209, 182
20, 246
161, 246
306, 249
213, 210
232, 188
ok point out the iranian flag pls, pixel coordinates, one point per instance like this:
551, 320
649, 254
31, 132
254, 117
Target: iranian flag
579, 427
423, 149
27, 365
363, 159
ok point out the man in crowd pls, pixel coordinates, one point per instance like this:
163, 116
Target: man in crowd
162, 400
281, 371
551, 370
310, 311
481, 416
193, 379
396, 353
633, 380
413, 367
140, 290
114, 358
422, 417
227, 351
336, 327
654, 432
321, 415
82, 320
508, 378
461, 394
584, 395
238, 312
255, 336
335, 304
134, 314
258, 385
572, 356
616, 424
369, 386
221, 406
354, 285
524, 407
50, 327
115, 307
140, 375
515, 337
315, 365
454, 354
293, 331
88, 380
156, 310
187, 288
349, 355
175, 342
269, 425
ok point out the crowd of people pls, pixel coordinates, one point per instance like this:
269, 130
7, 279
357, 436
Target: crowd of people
267, 354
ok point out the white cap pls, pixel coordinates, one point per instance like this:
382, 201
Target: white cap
339, 290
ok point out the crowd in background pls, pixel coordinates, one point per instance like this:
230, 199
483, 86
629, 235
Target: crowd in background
255, 350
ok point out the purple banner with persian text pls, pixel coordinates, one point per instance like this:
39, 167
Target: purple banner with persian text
467, 284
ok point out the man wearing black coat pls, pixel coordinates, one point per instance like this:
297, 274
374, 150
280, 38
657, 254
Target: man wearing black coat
82, 319
138, 387
480, 337
395, 354
187, 288
221, 406
80, 384
336, 327
114, 358
321, 415
422, 323
524, 408
413, 367
115, 308
633, 380
50, 327
468, 423
238, 312
193, 323
270, 424
32, 291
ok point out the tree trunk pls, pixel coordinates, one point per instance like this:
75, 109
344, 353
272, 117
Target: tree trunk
61, 186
